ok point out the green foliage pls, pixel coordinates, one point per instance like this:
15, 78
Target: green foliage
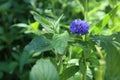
39, 44
60, 42
36, 44
101, 24
113, 53
70, 71
44, 70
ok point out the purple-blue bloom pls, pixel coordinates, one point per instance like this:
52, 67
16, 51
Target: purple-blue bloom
79, 27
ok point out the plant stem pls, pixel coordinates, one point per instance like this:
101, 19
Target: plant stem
85, 9
84, 62
60, 64
84, 39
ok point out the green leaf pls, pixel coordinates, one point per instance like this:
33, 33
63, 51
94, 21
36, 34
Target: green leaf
56, 26
8, 67
21, 25
44, 70
38, 44
101, 24
69, 72
34, 26
113, 55
60, 42
44, 22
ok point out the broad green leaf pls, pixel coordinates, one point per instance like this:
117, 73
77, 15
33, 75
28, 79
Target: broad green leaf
44, 22
69, 72
101, 24
38, 44
60, 42
44, 70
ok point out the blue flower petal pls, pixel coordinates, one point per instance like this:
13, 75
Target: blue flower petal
79, 27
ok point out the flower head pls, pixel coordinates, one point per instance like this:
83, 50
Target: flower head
79, 27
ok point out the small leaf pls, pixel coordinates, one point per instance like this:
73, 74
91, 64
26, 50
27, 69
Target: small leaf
60, 42
44, 22
56, 26
21, 25
34, 26
37, 45
44, 70
69, 72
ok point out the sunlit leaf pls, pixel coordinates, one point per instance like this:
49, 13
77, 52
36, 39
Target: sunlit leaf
44, 70
21, 25
34, 26
44, 22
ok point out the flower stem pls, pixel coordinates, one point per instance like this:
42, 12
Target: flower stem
85, 9
84, 62
84, 39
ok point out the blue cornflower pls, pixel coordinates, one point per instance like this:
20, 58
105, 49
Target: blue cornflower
79, 27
